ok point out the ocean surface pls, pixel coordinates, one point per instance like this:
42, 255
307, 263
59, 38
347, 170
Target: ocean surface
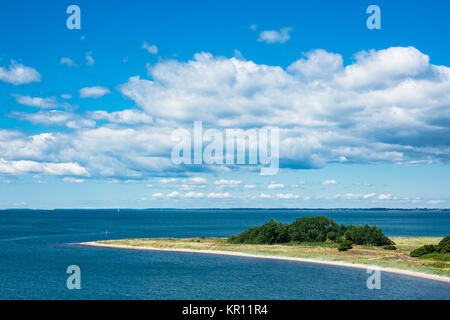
36, 247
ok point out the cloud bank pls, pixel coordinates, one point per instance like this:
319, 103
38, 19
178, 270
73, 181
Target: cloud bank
389, 106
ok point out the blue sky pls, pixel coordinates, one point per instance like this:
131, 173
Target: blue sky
87, 115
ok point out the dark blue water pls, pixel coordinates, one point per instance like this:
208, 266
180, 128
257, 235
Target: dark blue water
37, 246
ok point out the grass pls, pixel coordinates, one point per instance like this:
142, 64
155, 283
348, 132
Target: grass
370, 255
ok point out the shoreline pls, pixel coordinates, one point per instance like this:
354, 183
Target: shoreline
274, 257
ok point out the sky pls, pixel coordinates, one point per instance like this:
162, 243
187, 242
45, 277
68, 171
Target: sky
87, 115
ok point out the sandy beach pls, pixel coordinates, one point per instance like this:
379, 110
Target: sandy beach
263, 256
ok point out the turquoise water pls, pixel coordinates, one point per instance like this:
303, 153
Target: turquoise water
37, 246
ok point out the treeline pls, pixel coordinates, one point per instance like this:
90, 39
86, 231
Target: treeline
311, 229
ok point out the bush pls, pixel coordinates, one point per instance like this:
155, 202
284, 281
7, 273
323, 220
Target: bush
345, 245
445, 249
426, 249
331, 236
443, 243
311, 229
367, 236
390, 247
269, 233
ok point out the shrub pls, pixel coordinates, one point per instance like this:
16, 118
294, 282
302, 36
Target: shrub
366, 236
445, 249
390, 247
426, 249
331, 235
311, 229
269, 233
443, 243
345, 245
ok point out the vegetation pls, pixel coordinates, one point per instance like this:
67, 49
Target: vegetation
443, 243
446, 248
345, 245
433, 263
423, 250
311, 229
439, 251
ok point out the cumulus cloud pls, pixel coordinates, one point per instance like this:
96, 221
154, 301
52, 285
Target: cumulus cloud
89, 59
194, 195
330, 182
275, 186
55, 117
224, 183
372, 110
219, 195
318, 65
150, 48
68, 62
385, 196
129, 116
73, 180
272, 36
173, 194
38, 102
287, 196
93, 92
158, 195
345, 113
26, 166
18, 74
265, 196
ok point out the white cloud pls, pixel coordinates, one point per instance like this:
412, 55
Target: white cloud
18, 74
228, 182
89, 59
330, 182
38, 102
435, 201
400, 115
27, 166
173, 194
224, 183
194, 195
158, 195
73, 180
265, 196
249, 186
55, 117
196, 180
219, 195
68, 62
128, 116
319, 64
276, 186
168, 180
287, 196
150, 48
93, 92
272, 36
385, 196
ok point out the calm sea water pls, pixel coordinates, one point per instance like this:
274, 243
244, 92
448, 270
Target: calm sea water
37, 246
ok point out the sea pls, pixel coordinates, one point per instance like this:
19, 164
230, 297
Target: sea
38, 246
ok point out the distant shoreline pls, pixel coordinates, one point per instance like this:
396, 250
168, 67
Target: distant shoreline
274, 257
